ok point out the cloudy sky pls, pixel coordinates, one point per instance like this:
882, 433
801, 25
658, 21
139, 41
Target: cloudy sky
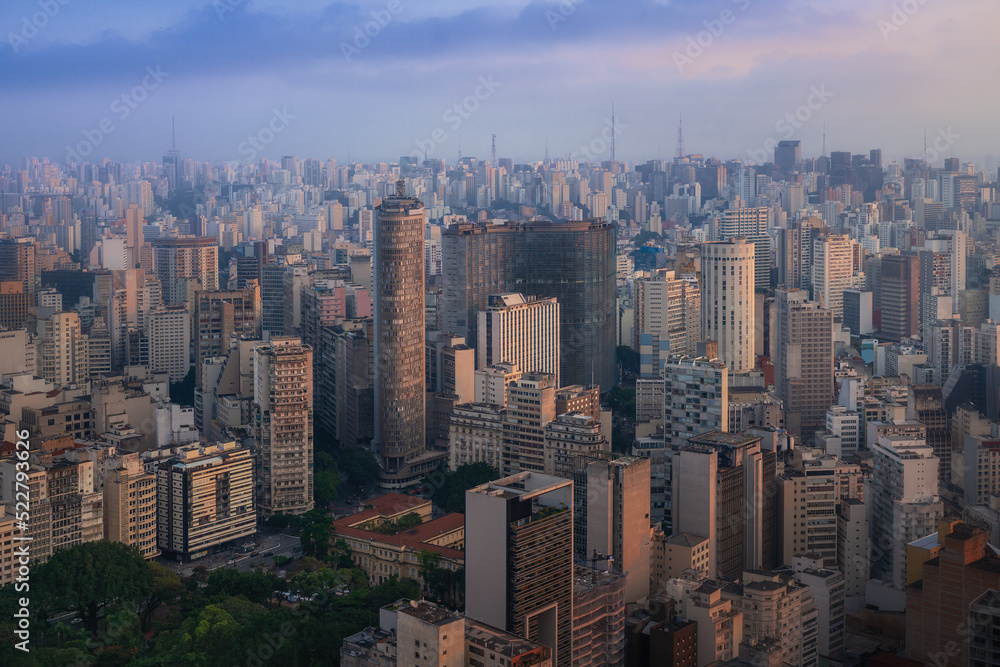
377, 79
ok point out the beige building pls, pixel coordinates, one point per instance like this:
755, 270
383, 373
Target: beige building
568, 437
186, 265
832, 271
383, 556
130, 506
530, 407
204, 498
598, 617
283, 426
63, 354
220, 314
778, 607
491, 383
9, 560
720, 624
676, 556
475, 435
422, 633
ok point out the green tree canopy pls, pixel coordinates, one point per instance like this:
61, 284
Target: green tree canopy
89, 577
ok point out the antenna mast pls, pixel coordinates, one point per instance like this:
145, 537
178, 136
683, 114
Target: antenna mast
680, 138
612, 132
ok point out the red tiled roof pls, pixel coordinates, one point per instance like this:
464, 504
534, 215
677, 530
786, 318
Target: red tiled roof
413, 538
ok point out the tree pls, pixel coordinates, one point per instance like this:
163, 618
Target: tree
325, 486
359, 466
182, 392
444, 585
89, 577
165, 587
317, 530
629, 359
450, 495
257, 587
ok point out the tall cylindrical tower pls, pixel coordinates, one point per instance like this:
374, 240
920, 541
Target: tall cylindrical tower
399, 334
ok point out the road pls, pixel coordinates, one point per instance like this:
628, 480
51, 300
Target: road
276, 544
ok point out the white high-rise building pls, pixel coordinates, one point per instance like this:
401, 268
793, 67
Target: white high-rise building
170, 341
902, 501
832, 270
727, 301
522, 331
750, 223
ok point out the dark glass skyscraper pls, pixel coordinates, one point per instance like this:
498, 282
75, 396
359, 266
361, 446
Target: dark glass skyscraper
571, 261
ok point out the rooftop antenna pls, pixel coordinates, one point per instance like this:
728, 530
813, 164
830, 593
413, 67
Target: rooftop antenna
925, 144
493, 159
546, 151
173, 133
612, 132
680, 137
824, 139
460, 148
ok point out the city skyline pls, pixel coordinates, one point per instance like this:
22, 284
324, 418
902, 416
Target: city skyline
312, 72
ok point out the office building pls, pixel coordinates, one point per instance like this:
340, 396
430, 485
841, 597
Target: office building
520, 330
903, 505
777, 607
832, 272
204, 498
475, 435
218, 316
170, 341
722, 490
695, 398
14, 304
519, 559
130, 506
900, 297
531, 406
938, 608
492, 382
283, 426
750, 224
18, 263
858, 310
399, 338
611, 511
667, 319
803, 369
853, 550
573, 262
569, 436
926, 405
599, 600
186, 265
727, 301
63, 354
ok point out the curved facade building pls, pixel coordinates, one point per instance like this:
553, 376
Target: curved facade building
399, 333
575, 262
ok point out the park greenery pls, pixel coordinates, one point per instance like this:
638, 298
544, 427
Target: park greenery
141, 613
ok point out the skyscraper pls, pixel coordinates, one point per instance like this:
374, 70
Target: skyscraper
519, 558
186, 265
575, 262
399, 336
283, 426
751, 224
900, 296
832, 270
727, 301
519, 330
803, 369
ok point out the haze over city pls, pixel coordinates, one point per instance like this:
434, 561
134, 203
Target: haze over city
895, 69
